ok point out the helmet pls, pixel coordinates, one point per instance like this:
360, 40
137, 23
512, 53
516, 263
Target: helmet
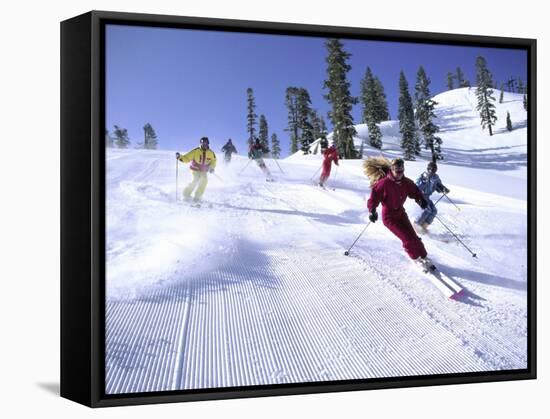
432, 167
205, 140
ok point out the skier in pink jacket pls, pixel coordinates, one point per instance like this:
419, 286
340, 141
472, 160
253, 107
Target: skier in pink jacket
329, 155
392, 191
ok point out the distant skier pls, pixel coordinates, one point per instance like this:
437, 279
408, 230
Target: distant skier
390, 187
228, 149
256, 153
203, 160
329, 155
429, 182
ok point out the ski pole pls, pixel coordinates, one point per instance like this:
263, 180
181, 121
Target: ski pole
218, 177
457, 207
176, 180
358, 237
245, 166
334, 179
279, 166
440, 198
311, 178
445, 195
456, 237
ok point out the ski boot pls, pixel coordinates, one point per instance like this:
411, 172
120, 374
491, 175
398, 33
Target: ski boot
420, 228
425, 264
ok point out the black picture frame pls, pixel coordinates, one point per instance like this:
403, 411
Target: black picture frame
83, 205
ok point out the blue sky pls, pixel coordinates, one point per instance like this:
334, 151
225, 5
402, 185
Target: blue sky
190, 83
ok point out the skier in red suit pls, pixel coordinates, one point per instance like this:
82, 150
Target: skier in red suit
392, 191
329, 155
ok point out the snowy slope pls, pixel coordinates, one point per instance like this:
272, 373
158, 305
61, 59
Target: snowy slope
256, 289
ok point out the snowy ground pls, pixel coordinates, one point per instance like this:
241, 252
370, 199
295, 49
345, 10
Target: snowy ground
256, 289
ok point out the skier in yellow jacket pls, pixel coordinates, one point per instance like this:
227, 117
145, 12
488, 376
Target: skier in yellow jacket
203, 160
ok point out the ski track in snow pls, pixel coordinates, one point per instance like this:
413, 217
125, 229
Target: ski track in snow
256, 290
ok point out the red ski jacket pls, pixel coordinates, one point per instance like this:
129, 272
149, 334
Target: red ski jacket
393, 194
329, 155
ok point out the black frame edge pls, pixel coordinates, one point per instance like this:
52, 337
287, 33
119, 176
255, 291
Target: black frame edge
76, 366
305, 29
532, 209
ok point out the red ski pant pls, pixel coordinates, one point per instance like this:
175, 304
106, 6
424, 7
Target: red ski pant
398, 223
326, 171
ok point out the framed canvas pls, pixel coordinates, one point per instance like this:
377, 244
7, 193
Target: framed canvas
255, 209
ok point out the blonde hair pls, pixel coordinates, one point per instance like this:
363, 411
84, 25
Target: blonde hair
376, 168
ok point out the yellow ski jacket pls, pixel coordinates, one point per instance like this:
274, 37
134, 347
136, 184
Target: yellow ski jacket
201, 160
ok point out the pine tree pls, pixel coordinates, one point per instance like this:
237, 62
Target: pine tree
315, 123
375, 135
150, 141
450, 81
121, 137
373, 99
340, 98
381, 112
323, 143
525, 102
417, 139
406, 119
485, 100
304, 120
275, 146
251, 115
508, 122
367, 95
371, 108
425, 113
291, 104
263, 133
521, 88
362, 148
324, 129
459, 77
324, 132
510, 83
108, 139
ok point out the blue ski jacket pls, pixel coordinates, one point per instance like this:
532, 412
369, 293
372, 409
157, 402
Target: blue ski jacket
429, 184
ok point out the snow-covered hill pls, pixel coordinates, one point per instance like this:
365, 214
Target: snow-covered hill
256, 289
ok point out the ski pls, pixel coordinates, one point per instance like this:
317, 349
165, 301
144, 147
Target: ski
443, 282
201, 204
318, 185
440, 238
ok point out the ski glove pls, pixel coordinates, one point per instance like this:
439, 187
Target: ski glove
446, 190
211, 170
373, 216
177, 155
423, 204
